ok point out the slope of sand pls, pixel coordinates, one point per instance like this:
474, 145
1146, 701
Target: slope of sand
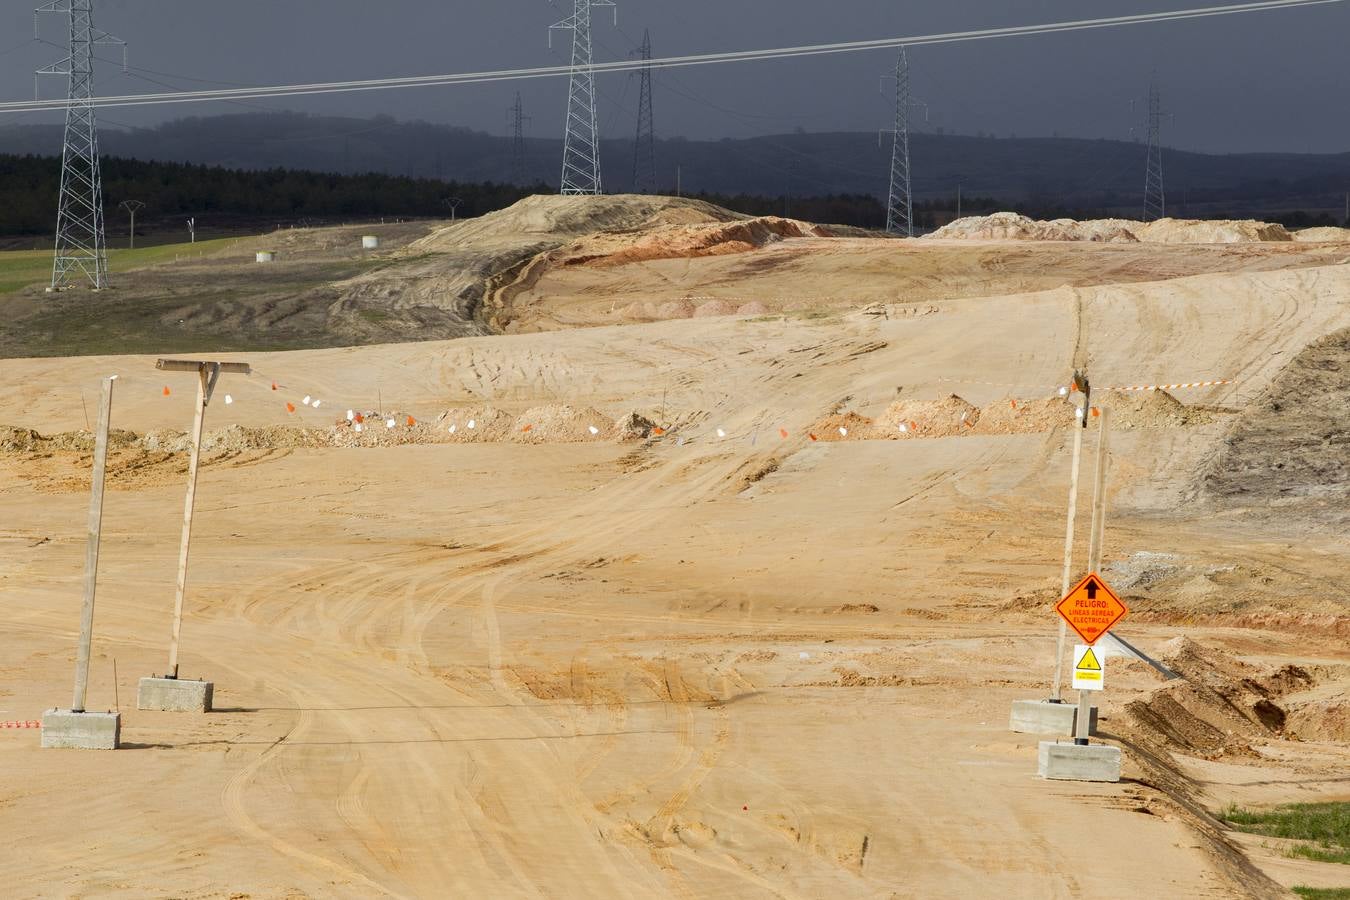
719, 660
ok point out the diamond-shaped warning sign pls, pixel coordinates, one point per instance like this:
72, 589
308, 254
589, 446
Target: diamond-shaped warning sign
1091, 608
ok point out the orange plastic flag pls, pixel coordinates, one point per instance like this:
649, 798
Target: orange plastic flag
360, 418
782, 432
658, 431
290, 407
166, 390
1013, 404
1096, 412
527, 428
812, 436
274, 385
411, 421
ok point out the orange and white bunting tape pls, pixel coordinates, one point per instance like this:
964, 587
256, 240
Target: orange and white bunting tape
20, 724
1171, 387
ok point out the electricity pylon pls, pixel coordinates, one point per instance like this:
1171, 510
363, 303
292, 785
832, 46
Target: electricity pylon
1155, 197
80, 245
516, 116
644, 147
899, 201
581, 144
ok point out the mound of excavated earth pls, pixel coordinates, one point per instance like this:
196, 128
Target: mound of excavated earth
1008, 226
1292, 446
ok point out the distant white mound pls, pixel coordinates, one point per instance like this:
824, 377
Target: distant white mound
1009, 226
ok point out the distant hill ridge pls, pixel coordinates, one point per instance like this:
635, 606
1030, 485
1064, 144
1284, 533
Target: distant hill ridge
1065, 172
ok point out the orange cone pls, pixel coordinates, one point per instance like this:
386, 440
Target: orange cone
166, 390
812, 436
782, 432
411, 421
274, 385
290, 407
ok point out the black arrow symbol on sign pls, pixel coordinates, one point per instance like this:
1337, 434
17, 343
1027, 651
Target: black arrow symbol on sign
1092, 589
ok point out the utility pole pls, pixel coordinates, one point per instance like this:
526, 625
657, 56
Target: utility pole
192, 230
131, 206
516, 115
81, 248
453, 204
581, 143
644, 147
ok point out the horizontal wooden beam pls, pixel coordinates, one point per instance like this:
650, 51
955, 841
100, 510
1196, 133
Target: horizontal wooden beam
193, 365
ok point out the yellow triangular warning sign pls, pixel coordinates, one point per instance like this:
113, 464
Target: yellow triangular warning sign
1089, 663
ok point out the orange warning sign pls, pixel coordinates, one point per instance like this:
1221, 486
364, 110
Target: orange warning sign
1091, 608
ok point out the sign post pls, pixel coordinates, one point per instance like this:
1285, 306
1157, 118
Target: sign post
77, 727
168, 692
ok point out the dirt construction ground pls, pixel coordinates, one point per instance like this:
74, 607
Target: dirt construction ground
760, 639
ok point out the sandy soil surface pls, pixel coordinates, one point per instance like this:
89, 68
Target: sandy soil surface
709, 656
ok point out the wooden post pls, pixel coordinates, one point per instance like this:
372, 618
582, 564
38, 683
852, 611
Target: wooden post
187, 521
91, 549
1055, 694
207, 374
1099, 498
1084, 724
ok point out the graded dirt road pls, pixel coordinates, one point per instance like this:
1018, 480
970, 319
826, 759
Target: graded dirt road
722, 660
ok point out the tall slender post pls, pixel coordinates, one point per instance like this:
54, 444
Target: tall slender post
187, 521
1067, 575
91, 549
1083, 724
1099, 496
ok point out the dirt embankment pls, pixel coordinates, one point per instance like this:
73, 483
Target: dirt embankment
954, 416
453, 269
1290, 449
680, 240
1008, 226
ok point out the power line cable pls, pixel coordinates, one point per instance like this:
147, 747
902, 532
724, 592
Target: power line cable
355, 86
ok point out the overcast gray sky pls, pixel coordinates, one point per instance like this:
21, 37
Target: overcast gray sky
1261, 81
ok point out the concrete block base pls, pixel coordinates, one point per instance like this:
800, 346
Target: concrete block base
1075, 762
81, 730
174, 695
1044, 717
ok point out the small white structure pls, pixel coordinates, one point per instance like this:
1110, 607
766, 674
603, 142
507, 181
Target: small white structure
266, 256
370, 242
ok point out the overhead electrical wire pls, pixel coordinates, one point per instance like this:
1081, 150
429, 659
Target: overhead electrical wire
355, 86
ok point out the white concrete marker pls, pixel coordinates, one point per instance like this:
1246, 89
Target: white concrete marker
903, 428
351, 414
388, 423
306, 400
228, 399
359, 428
721, 433
472, 423
452, 429
316, 403
803, 655
843, 432
594, 430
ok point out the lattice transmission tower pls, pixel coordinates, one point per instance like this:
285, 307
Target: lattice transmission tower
581, 144
899, 203
644, 147
517, 118
80, 245
1155, 196
899, 200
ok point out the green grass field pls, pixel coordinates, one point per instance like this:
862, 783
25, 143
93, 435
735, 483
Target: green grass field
22, 268
1324, 828
1312, 893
